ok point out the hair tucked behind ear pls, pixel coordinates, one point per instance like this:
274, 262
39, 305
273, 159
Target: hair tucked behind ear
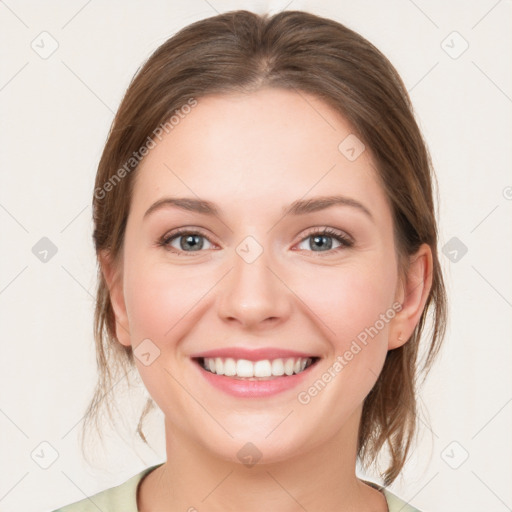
241, 51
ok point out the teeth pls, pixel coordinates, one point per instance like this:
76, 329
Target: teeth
288, 366
244, 368
216, 366
265, 368
277, 367
229, 367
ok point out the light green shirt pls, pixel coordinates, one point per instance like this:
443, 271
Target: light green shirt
123, 498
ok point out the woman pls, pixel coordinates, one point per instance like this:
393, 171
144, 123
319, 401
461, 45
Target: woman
267, 247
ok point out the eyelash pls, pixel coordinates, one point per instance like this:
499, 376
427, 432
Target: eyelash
345, 241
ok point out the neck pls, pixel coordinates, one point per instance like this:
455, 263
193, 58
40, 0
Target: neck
195, 480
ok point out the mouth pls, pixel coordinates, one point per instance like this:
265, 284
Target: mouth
260, 370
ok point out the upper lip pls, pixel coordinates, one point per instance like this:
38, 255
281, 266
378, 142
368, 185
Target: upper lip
258, 354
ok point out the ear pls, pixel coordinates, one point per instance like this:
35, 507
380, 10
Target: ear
412, 293
114, 279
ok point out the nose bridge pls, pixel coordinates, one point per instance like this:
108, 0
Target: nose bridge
252, 292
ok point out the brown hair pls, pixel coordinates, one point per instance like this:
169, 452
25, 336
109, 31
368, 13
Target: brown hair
241, 51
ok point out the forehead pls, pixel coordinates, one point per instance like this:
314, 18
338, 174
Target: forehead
273, 144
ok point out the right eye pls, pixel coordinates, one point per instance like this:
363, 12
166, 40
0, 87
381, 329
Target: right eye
186, 238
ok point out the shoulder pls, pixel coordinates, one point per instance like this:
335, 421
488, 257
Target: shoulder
121, 497
395, 504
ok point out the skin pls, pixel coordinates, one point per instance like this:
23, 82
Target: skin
253, 154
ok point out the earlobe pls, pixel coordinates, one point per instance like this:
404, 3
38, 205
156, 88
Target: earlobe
114, 281
412, 294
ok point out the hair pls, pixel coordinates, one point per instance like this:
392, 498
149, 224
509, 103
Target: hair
240, 52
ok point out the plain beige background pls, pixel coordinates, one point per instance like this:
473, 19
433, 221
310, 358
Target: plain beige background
65, 67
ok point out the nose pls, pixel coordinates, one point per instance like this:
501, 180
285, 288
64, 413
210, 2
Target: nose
253, 294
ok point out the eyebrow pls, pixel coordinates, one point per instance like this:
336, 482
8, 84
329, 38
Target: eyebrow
299, 207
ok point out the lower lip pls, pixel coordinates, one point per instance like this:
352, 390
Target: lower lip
244, 388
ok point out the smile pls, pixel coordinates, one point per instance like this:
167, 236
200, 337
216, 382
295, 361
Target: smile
243, 378
263, 369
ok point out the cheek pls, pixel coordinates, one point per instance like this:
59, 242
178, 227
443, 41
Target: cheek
162, 303
352, 306
158, 298
348, 296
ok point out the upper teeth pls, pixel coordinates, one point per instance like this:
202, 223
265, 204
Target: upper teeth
265, 368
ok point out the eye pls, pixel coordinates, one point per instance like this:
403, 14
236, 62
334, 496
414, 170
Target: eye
188, 241
322, 238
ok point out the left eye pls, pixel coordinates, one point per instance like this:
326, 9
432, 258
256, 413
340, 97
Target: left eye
192, 241
320, 238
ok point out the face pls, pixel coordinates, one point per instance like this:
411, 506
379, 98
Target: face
251, 282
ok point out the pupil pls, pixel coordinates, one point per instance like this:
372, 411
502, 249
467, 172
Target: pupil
190, 240
323, 237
